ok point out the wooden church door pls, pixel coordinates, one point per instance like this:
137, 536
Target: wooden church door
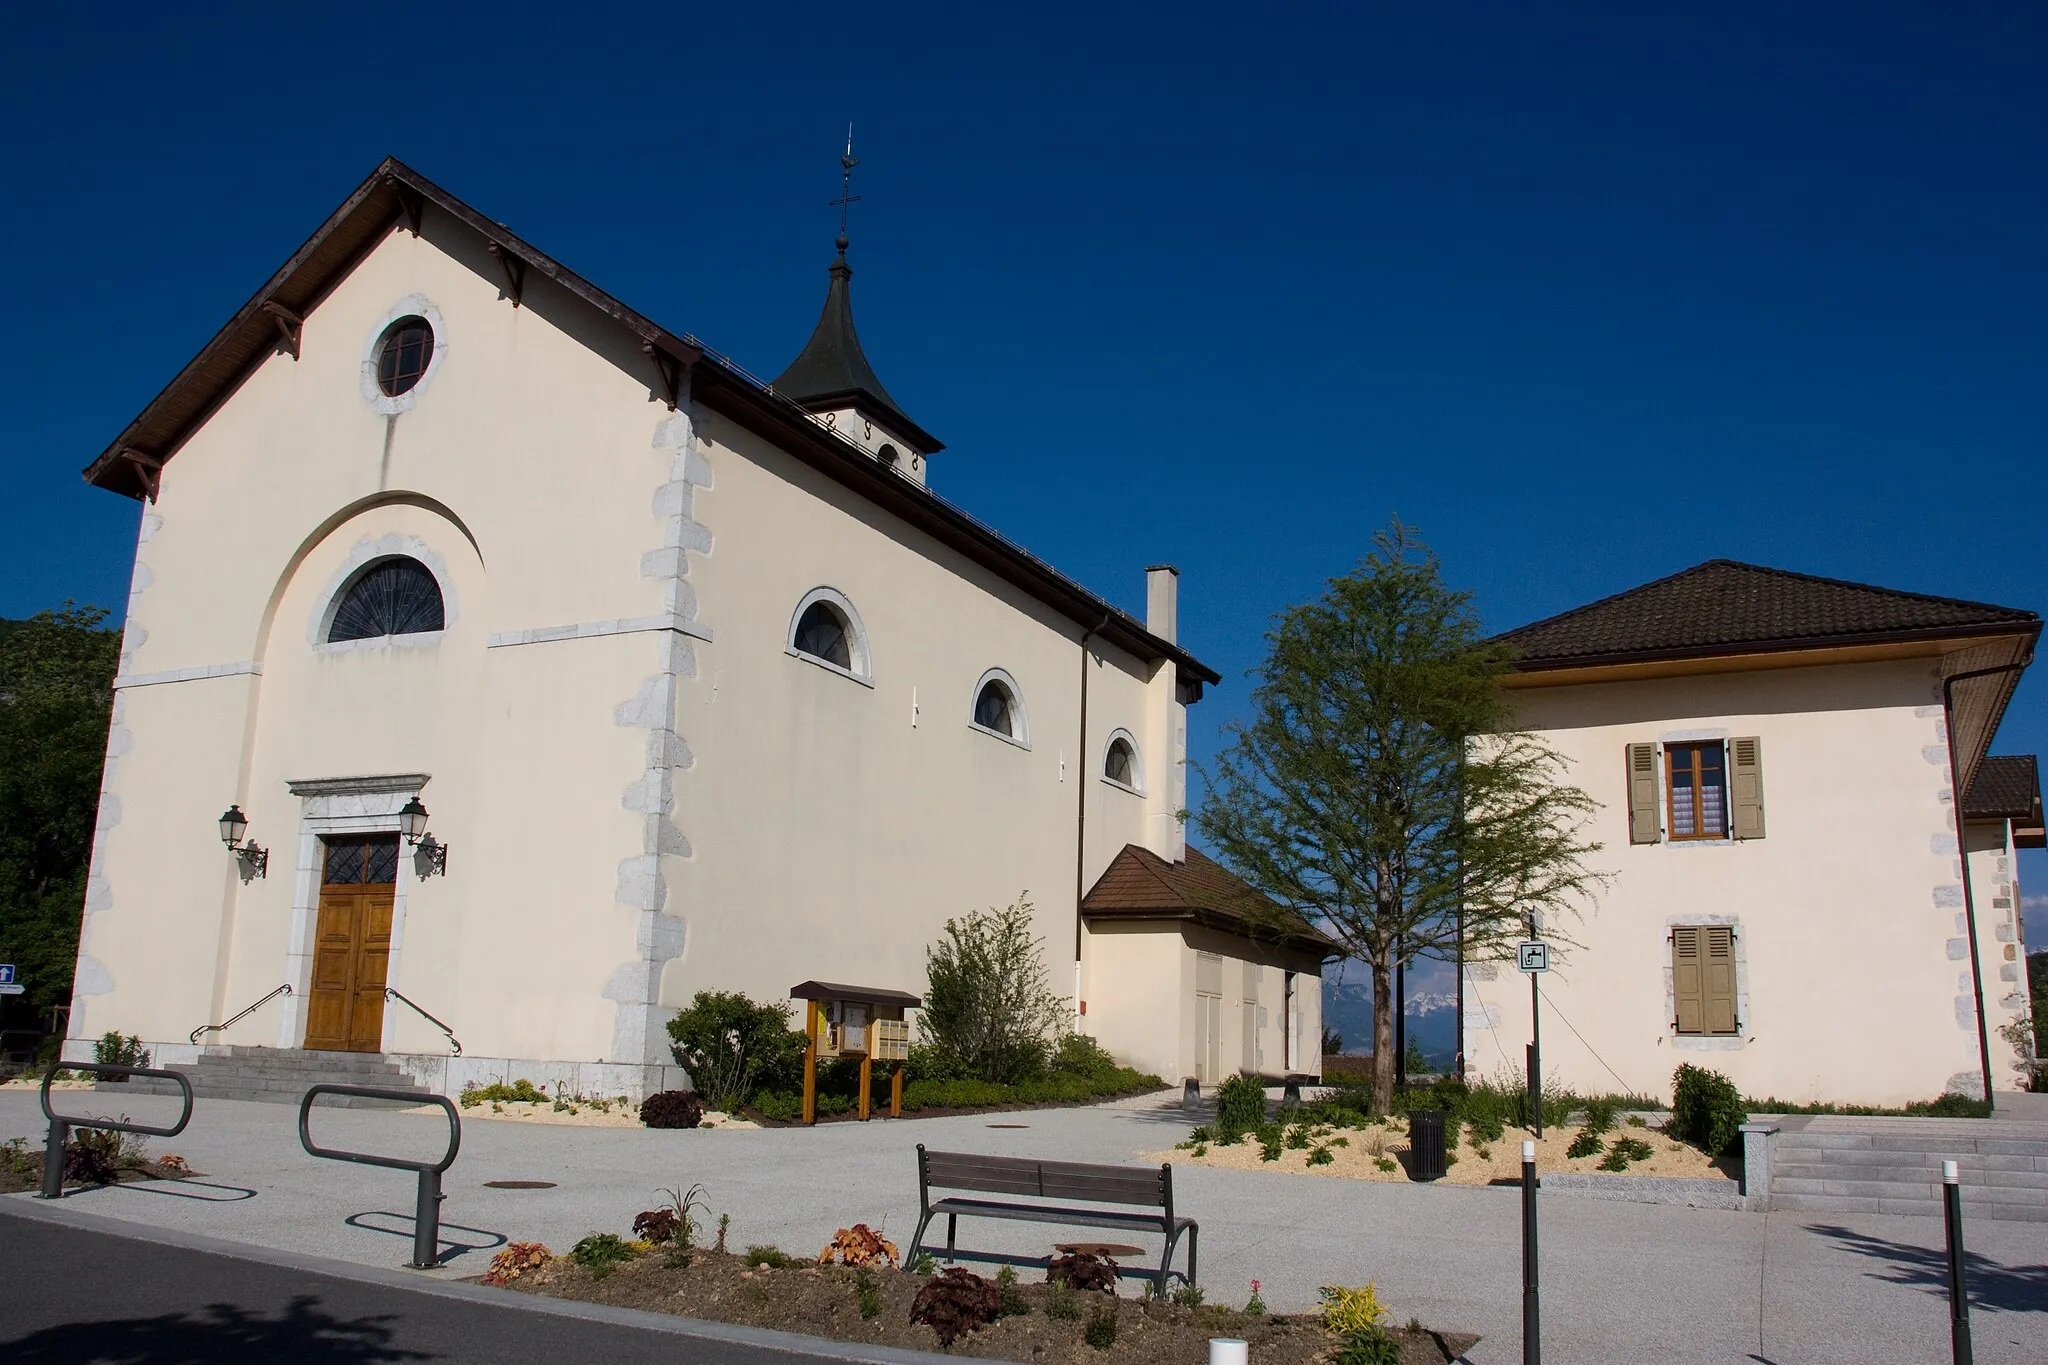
352, 944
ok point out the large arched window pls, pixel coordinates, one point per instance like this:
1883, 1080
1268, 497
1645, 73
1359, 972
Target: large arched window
826, 630
1120, 766
396, 596
999, 708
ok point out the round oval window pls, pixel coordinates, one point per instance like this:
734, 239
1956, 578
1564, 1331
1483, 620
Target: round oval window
403, 355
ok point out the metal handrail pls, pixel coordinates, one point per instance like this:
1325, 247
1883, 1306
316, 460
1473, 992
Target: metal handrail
426, 1225
193, 1037
391, 993
62, 1124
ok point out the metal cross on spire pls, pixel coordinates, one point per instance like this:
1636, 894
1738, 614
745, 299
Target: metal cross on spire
847, 198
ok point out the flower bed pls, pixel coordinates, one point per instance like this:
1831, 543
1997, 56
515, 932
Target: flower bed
938, 1098
1379, 1151
874, 1305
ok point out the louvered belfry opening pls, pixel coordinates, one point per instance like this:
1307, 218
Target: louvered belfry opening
1703, 979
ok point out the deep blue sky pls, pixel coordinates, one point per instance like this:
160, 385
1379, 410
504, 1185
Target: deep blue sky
1588, 296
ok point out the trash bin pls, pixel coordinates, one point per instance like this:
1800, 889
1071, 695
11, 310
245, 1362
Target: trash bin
1426, 1144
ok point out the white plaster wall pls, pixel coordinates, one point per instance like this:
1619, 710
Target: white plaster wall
1140, 996
837, 824
528, 469
1845, 911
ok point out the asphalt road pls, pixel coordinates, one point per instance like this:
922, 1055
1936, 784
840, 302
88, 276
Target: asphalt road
73, 1297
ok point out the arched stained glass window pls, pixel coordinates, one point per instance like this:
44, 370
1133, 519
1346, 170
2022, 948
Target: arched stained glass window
822, 633
395, 596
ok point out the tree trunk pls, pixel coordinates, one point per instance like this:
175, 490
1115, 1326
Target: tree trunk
1382, 1036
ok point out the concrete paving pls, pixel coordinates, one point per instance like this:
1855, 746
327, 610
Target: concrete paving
1621, 1282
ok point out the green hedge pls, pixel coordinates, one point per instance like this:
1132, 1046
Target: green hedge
1706, 1109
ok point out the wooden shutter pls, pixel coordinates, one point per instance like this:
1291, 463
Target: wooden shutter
1717, 979
1746, 759
1687, 981
1643, 824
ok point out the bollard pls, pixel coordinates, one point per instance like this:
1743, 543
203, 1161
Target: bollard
1958, 1291
1532, 1325
1290, 1093
62, 1124
1228, 1351
1190, 1093
426, 1227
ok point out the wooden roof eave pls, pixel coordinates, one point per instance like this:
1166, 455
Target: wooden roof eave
1809, 651
1306, 939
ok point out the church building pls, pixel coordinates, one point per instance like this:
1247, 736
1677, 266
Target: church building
540, 667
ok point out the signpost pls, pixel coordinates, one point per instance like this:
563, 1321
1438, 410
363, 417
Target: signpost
1533, 957
8, 985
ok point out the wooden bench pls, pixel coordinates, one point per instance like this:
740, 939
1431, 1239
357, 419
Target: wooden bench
1050, 1181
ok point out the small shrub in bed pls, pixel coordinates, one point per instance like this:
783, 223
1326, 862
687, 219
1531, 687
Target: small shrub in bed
657, 1225
1706, 1109
1586, 1143
600, 1251
516, 1260
672, 1109
955, 1302
1240, 1105
1082, 1270
1101, 1329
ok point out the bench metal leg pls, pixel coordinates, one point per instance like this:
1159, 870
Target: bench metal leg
917, 1241
952, 1229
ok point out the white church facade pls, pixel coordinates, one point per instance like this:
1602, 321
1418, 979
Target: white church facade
560, 670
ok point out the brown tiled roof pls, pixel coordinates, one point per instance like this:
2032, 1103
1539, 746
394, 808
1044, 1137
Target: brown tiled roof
1725, 607
2006, 787
1139, 884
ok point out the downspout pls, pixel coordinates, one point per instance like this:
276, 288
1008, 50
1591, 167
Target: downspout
1081, 815
1955, 782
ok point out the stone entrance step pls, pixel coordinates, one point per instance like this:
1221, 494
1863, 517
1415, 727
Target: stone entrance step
281, 1076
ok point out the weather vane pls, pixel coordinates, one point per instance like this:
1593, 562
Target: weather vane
847, 198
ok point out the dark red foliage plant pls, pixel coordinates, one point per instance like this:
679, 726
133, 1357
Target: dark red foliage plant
955, 1302
672, 1109
1082, 1270
657, 1225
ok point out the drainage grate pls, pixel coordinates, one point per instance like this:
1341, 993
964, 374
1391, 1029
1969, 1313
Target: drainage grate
519, 1184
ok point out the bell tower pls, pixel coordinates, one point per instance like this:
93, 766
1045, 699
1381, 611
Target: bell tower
831, 378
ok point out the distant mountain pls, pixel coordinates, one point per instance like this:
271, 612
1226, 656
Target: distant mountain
1432, 1010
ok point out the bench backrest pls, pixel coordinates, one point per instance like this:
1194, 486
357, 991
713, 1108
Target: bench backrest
1151, 1187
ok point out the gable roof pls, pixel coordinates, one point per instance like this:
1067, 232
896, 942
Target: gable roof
832, 369
1139, 884
2007, 787
677, 363
1725, 607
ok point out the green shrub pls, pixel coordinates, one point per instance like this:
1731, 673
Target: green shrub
1949, 1106
987, 1007
600, 1251
734, 1047
773, 1257
1240, 1105
1100, 1332
1706, 1109
113, 1049
1622, 1151
1585, 1144
867, 1293
1599, 1115
1079, 1055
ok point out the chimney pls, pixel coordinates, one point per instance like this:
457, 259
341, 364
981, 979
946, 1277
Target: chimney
1162, 602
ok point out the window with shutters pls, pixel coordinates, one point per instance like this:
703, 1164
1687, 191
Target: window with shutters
1696, 790
1703, 980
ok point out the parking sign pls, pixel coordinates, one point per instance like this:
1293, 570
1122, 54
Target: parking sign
1532, 956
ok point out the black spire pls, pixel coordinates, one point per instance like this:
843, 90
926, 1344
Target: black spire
832, 371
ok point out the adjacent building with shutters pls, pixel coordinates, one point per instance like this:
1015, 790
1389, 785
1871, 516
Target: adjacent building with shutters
1777, 756
553, 668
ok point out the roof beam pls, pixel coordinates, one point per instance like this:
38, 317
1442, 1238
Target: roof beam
289, 325
148, 468
515, 272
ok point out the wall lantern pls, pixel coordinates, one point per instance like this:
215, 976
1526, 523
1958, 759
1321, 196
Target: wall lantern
255, 860
432, 856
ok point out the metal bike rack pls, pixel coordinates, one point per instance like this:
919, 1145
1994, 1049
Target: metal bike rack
62, 1124
426, 1231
